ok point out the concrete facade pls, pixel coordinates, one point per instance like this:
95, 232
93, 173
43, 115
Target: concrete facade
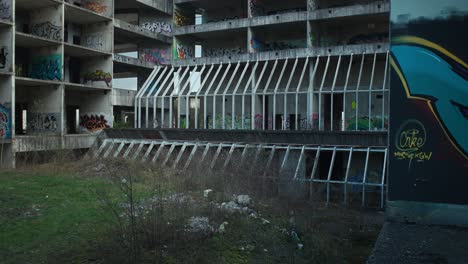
60, 58
58, 62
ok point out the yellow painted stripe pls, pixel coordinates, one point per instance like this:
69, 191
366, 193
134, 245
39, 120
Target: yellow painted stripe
427, 43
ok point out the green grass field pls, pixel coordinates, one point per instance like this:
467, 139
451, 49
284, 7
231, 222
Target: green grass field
60, 218
50, 219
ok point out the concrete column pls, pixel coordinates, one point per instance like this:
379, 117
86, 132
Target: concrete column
250, 36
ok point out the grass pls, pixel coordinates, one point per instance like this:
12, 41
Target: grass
54, 216
49, 218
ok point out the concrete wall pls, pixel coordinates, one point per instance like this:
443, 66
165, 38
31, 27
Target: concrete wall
47, 23
95, 110
98, 36
6, 50
97, 71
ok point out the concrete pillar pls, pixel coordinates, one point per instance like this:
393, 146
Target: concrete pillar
250, 36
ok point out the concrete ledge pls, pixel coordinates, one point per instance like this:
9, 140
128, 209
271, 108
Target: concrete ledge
133, 61
122, 97
380, 47
428, 213
367, 139
163, 37
52, 142
321, 14
348, 11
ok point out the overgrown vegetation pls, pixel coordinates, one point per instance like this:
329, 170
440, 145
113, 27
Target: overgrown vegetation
116, 211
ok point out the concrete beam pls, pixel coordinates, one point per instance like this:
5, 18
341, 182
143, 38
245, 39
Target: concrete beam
164, 6
348, 11
141, 32
375, 139
123, 97
50, 142
321, 14
133, 61
283, 54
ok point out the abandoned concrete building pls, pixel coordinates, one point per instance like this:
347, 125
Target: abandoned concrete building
302, 82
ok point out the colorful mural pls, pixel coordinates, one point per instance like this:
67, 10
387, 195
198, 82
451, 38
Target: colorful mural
429, 106
183, 52
5, 122
158, 56
95, 6
47, 67
93, 123
98, 76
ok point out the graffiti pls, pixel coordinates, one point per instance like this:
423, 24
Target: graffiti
370, 38
121, 58
184, 52
228, 122
449, 108
93, 122
256, 8
181, 19
218, 52
158, 27
95, 7
258, 45
44, 122
157, 56
362, 123
98, 76
222, 19
5, 9
3, 57
285, 11
410, 139
94, 42
47, 30
5, 122
47, 67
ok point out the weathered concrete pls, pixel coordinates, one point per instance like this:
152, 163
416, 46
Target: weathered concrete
283, 54
133, 61
53, 142
320, 14
160, 5
123, 97
428, 213
141, 32
418, 244
376, 139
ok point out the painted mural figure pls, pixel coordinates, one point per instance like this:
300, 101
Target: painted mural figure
93, 123
431, 73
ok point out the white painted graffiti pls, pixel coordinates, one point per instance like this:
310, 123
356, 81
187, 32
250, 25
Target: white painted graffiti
94, 42
158, 27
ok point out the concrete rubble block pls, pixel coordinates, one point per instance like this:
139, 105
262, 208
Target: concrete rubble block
243, 200
200, 225
208, 193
